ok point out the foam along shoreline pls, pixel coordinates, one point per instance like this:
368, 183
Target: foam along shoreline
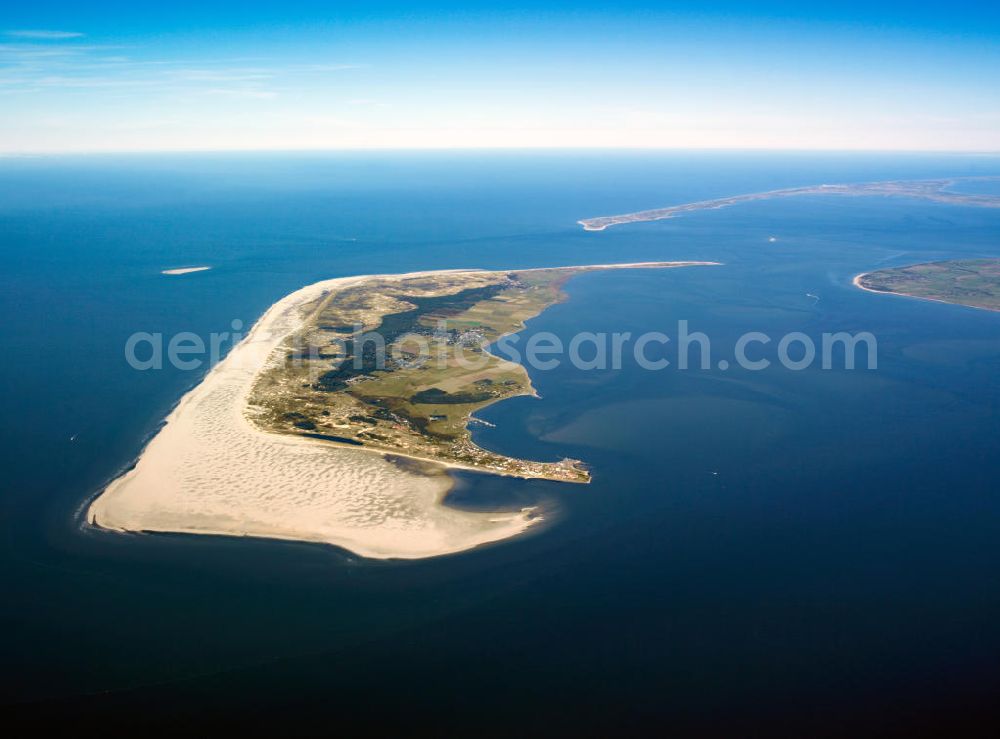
211, 471
183, 270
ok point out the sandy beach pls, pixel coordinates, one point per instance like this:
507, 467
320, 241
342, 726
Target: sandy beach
210, 471
857, 283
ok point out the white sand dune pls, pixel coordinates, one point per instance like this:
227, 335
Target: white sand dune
210, 471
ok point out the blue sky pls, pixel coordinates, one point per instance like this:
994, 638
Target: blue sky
115, 76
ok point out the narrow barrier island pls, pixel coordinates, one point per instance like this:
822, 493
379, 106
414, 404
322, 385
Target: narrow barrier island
933, 190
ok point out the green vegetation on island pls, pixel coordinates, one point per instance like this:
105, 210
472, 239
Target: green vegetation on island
401, 365
971, 282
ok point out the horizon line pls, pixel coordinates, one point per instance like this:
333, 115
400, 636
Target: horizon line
483, 149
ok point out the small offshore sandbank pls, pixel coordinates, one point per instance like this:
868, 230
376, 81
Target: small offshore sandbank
183, 270
210, 470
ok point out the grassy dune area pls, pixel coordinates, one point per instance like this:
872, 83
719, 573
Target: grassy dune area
401, 366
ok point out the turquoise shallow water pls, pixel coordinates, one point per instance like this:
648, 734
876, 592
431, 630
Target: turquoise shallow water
755, 546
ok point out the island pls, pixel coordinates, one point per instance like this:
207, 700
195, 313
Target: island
934, 190
971, 282
306, 432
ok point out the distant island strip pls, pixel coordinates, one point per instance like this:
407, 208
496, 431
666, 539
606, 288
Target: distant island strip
299, 433
935, 190
971, 282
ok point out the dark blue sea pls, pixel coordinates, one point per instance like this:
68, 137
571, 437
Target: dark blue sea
758, 549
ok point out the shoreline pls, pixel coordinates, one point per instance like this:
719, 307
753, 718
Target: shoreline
856, 281
210, 470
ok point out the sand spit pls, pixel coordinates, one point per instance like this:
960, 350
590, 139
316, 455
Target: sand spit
183, 270
210, 471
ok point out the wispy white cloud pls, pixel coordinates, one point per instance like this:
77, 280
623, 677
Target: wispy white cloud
25, 53
220, 75
42, 35
27, 67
